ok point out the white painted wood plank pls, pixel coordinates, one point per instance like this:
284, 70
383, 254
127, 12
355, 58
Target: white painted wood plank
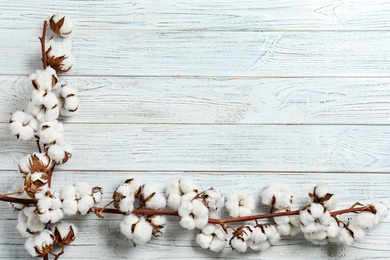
217, 101
184, 53
311, 148
100, 239
204, 15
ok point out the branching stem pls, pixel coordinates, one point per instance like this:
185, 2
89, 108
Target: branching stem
175, 213
43, 42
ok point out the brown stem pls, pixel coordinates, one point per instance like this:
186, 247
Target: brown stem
175, 213
46, 257
254, 217
39, 145
17, 200
343, 211
43, 41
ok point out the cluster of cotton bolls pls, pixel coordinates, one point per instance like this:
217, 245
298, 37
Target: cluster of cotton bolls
193, 208
40, 222
49, 99
139, 229
258, 238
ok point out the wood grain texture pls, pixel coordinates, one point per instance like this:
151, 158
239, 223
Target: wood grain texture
234, 94
201, 53
314, 148
101, 239
204, 14
156, 100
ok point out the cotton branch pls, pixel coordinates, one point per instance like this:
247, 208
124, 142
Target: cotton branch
43, 41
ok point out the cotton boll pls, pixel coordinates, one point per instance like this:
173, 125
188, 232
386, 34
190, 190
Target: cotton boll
239, 204
22, 225
203, 240
317, 210
52, 114
284, 229
30, 247
381, 209
56, 152
331, 203
23, 125
333, 229
68, 192
364, 220
187, 222
174, 201
218, 245
142, 232
61, 25
70, 207
67, 63
188, 196
321, 189
82, 189
127, 225
156, 202
97, 194
238, 245
48, 133
64, 233
173, 188
126, 205
67, 91
277, 195
187, 185
71, 103
85, 203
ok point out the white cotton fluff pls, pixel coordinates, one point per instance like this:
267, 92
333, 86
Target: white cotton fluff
82, 189
64, 228
187, 185
347, 238
239, 203
156, 202
70, 207
214, 199
70, 106
124, 198
55, 50
152, 198
174, 201
49, 132
239, 242
67, 26
49, 210
28, 223
44, 80
127, 224
193, 214
212, 237
257, 239
287, 225
40, 241
56, 152
173, 188
365, 220
142, 232
97, 194
314, 218
277, 195
321, 194
68, 192
158, 223
84, 204
24, 163
23, 125
381, 209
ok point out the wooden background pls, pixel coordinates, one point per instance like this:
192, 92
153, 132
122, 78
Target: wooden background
234, 94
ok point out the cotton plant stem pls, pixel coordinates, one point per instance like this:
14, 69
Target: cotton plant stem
43, 42
175, 213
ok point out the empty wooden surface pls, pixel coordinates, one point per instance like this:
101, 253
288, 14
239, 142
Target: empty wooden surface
234, 94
